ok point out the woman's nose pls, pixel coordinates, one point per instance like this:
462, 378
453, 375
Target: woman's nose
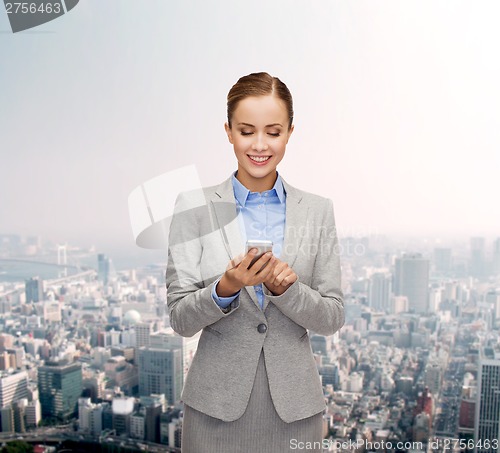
260, 143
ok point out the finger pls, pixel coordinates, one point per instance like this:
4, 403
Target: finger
267, 270
289, 279
259, 264
274, 271
279, 268
285, 278
247, 259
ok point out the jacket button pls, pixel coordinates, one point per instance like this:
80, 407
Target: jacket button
262, 328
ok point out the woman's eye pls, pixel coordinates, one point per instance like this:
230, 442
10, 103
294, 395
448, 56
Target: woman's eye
276, 134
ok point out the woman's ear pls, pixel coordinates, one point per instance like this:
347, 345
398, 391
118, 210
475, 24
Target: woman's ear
229, 133
290, 132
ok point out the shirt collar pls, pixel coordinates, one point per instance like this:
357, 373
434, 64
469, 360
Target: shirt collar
241, 192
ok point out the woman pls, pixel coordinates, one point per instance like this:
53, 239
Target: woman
253, 384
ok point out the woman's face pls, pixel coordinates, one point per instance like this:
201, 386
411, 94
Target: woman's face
259, 134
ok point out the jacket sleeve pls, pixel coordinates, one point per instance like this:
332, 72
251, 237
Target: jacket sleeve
319, 307
189, 299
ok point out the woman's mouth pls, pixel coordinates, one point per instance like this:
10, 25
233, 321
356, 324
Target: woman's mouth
259, 160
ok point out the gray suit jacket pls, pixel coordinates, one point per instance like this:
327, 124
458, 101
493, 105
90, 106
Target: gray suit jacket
204, 236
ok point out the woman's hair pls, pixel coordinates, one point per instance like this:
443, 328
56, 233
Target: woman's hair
258, 84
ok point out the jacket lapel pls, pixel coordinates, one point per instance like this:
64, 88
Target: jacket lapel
224, 206
295, 224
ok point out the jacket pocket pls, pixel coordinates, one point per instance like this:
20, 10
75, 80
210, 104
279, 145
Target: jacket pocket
213, 331
304, 336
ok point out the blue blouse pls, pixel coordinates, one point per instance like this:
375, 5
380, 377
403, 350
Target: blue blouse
261, 215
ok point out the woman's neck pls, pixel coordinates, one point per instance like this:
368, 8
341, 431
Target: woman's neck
257, 184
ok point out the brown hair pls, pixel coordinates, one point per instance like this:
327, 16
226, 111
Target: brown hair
258, 84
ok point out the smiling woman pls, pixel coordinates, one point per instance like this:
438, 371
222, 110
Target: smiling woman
262, 128
253, 384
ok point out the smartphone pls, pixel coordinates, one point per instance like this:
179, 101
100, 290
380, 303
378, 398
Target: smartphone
262, 247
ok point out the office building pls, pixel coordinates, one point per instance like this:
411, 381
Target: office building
13, 387
477, 261
379, 293
160, 372
34, 290
442, 260
60, 386
152, 426
168, 339
143, 331
137, 425
7, 417
495, 265
411, 279
122, 412
33, 411
104, 268
487, 417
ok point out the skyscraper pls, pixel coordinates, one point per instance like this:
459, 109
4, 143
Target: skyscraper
34, 290
13, 387
442, 260
495, 265
487, 418
411, 279
104, 265
477, 264
380, 291
160, 372
168, 339
143, 331
60, 386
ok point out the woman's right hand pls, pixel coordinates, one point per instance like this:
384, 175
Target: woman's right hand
238, 274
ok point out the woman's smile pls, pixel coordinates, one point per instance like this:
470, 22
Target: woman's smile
259, 160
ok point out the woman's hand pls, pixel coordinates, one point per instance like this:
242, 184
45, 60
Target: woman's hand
238, 274
280, 278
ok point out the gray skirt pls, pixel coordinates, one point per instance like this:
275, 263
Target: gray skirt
258, 430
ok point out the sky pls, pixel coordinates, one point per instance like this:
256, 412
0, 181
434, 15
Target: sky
397, 110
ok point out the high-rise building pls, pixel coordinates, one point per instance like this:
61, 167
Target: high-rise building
34, 290
168, 339
19, 408
137, 425
33, 412
160, 372
442, 260
60, 386
495, 265
411, 279
487, 417
379, 296
477, 262
13, 387
143, 331
122, 411
7, 417
152, 432
104, 266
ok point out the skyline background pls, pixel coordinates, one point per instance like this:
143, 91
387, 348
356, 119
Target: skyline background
397, 107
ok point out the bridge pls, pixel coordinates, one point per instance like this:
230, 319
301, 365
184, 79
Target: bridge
43, 263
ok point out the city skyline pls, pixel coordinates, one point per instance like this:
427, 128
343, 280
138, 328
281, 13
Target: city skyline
405, 368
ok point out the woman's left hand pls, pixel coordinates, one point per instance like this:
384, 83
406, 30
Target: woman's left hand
281, 278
